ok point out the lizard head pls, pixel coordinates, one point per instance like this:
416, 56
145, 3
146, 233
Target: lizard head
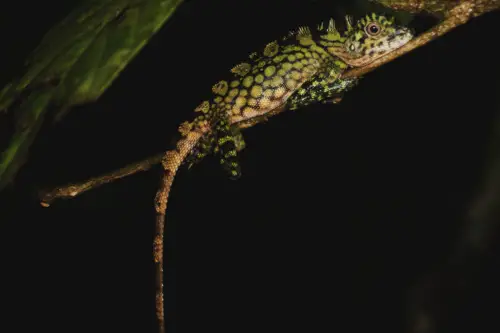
370, 38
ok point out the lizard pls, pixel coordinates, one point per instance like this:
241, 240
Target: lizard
302, 68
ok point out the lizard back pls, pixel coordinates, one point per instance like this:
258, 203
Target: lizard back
302, 68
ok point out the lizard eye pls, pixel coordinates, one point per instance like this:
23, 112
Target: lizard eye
372, 29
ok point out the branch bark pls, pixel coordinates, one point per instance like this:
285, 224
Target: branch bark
75, 189
456, 16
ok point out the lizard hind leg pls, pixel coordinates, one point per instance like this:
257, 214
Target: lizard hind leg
203, 148
239, 141
227, 146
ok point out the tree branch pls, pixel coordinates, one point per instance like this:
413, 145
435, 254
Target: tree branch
458, 15
73, 190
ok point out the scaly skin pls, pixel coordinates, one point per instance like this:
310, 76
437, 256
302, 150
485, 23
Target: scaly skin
301, 69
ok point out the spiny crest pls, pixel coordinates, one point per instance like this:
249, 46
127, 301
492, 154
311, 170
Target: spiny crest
241, 69
331, 33
271, 49
203, 107
220, 88
290, 34
331, 27
304, 32
374, 17
349, 23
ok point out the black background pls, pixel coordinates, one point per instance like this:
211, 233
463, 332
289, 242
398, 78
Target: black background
340, 210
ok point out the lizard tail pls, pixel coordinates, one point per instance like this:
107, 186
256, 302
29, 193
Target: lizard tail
171, 162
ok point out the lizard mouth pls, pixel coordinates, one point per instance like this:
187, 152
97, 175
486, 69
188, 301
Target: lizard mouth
391, 43
399, 38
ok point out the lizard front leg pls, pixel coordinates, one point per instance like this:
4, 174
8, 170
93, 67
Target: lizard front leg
227, 147
317, 91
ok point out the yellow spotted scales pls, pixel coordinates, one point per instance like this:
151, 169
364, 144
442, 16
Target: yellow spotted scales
302, 68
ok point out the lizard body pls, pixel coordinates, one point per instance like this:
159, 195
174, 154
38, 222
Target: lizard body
304, 67
301, 69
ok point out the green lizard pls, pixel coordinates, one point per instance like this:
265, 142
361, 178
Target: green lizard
302, 68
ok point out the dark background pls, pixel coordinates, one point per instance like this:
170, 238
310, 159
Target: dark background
340, 211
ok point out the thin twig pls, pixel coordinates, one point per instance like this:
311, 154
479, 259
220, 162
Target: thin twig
439, 6
457, 16
416, 6
173, 159
73, 190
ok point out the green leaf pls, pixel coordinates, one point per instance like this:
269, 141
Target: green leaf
75, 63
